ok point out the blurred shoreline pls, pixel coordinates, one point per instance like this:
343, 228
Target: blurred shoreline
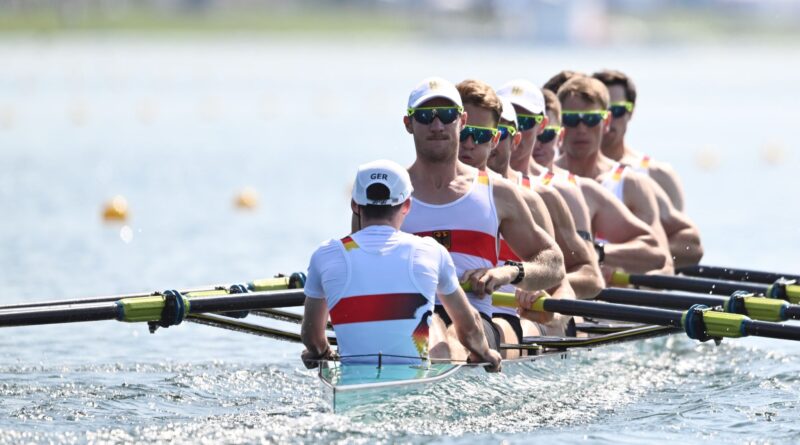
524, 22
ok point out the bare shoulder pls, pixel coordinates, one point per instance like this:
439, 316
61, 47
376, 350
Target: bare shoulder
507, 197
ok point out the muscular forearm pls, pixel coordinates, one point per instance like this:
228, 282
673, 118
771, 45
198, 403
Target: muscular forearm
586, 281
314, 339
685, 247
471, 335
546, 270
640, 255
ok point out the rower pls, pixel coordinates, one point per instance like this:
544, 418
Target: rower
466, 209
631, 244
585, 119
684, 238
479, 138
379, 284
571, 231
622, 93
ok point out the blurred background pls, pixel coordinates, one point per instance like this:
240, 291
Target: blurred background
163, 144
230, 130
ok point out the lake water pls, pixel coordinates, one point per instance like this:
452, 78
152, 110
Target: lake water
179, 126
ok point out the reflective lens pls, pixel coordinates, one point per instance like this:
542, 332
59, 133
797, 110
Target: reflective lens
549, 133
480, 135
425, 115
527, 121
506, 131
571, 119
618, 109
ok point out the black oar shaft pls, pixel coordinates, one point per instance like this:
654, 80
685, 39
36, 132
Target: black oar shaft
733, 274
243, 302
781, 331
137, 309
59, 314
658, 299
613, 311
692, 284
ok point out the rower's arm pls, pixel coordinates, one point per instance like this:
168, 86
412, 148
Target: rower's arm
543, 260
468, 325
580, 260
632, 245
312, 331
682, 234
577, 204
667, 178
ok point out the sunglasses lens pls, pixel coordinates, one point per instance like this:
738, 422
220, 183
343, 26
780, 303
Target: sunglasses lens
503, 133
525, 123
423, 116
592, 120
447, 115
618, 110
570, 120
546, 136
479, 135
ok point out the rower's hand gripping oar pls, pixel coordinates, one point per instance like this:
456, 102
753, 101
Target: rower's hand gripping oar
781, 289
699, 322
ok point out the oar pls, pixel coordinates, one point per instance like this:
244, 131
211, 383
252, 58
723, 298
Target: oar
729, 273
784, 290
248, 328
167, 309
699, 322
295, 280
757, 308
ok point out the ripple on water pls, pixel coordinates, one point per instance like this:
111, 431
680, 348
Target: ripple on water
625, 393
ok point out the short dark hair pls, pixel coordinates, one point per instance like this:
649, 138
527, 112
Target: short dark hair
482, 95
614, 77
586, 88
555, 82
551, 102
378, 192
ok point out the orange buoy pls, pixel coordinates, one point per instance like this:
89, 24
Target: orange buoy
247, 198
116, 209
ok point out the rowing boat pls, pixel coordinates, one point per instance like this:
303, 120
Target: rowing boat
348, 386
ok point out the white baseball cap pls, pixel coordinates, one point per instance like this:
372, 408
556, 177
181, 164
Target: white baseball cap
388, 173
433, 87
524, 94
508, 113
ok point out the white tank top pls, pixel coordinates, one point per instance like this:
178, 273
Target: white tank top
615, 182
385, 301
466, 227
643, 166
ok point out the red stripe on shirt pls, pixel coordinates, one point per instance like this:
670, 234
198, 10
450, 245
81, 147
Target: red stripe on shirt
506, 253
381, 307
468, 242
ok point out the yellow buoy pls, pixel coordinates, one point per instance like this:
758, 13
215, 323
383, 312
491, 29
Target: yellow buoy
773, 153
707, 158
116, 209
247, 198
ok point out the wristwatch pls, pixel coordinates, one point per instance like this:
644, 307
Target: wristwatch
520, 270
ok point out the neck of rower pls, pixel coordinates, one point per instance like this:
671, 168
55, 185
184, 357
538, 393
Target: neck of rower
586, 166
616, 151
521, 160
433, 175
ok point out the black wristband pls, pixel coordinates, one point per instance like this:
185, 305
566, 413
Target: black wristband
600, 248
520, 270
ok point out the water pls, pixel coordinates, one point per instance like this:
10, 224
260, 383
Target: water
180, 126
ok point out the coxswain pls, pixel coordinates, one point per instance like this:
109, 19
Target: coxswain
378, 285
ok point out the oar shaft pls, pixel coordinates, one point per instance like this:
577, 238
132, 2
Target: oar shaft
613, 311
264, 284
137, 309
692, 284
733, 274
59, 314
658, 299
781, 331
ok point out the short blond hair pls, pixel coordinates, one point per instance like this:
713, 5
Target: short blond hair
551, 103
480, 94
586, 88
